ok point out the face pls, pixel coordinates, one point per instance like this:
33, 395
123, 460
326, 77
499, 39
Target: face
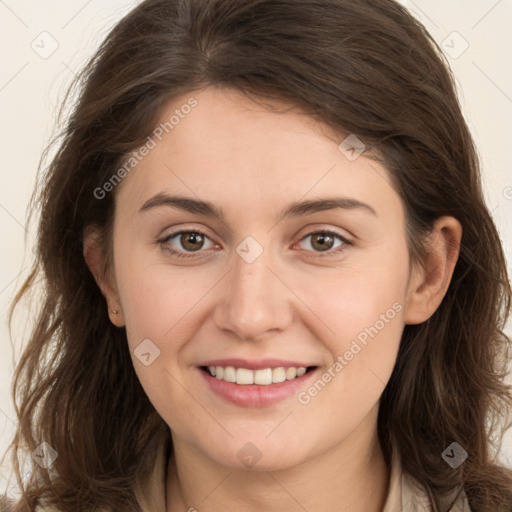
278, 281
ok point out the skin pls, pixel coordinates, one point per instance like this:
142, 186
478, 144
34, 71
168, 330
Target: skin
293, 302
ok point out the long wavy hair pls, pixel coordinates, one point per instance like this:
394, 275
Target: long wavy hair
364, 67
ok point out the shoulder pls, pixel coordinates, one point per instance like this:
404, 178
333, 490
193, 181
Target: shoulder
408, 495
415, 498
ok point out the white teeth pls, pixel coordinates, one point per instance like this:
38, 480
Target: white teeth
263, 377
229, 374
278, 374
291, 373
244, 376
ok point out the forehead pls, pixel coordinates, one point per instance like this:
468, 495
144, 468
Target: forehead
228, 147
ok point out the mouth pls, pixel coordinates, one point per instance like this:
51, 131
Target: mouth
259, 377
263, 385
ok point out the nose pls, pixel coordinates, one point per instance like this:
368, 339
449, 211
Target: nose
255, 301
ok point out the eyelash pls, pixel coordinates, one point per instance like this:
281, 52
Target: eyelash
180, 254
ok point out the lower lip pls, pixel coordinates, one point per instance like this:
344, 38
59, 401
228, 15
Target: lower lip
253, 395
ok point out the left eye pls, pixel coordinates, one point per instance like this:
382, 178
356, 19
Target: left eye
191, 241
323, 241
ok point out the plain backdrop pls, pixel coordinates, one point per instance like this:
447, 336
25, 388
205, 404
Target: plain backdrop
45, 43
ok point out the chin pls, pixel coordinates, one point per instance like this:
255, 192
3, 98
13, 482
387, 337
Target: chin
257, 456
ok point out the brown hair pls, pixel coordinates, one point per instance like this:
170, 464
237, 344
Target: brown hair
362, 67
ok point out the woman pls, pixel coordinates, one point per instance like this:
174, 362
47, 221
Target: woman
271, 280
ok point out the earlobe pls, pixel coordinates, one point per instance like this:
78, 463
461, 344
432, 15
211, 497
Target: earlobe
429, 284
93, 255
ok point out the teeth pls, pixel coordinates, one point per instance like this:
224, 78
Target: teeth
263, 377
244, 376
291, 373
229, 374
278, 374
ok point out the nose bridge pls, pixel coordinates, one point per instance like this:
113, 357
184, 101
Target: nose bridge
254, 301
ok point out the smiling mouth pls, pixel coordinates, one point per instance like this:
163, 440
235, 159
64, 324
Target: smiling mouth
261, 377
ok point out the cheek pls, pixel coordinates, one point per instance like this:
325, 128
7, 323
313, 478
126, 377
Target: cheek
364, 298
363, 308
159, 307
370, 306
155, 297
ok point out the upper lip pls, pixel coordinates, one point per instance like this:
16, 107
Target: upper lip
255, 364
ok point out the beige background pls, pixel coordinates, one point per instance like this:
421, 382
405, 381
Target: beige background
45, 43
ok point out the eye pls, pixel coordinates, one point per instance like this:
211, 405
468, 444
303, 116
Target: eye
191, 241
323, 241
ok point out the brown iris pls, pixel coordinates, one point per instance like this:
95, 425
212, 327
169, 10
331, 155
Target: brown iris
190, 240
324, 241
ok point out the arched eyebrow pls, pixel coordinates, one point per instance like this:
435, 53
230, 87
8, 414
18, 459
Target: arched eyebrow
295, 209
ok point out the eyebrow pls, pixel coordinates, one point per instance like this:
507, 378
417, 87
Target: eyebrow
294, 209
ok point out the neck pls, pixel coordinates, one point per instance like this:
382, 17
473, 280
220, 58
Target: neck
350, 477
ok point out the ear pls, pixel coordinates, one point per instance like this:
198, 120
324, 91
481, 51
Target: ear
428, 286
94, 257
